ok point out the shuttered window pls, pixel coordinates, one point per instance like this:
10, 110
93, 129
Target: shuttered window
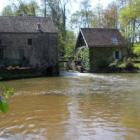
29, 41
1, 53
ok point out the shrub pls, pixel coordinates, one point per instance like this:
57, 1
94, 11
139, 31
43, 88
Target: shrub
129, 65
6, 92
136, 49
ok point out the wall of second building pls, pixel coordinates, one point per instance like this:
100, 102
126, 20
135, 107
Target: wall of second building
101, 57
29, 49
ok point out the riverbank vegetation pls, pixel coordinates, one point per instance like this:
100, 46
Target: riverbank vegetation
121, 14
5, 93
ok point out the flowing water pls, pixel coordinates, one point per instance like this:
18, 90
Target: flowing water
74, 106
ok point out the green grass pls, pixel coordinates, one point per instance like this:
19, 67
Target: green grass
137, 65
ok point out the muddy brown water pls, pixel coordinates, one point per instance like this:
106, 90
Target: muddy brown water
74, 106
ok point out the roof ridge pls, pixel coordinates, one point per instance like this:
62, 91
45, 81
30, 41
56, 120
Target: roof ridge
99, 28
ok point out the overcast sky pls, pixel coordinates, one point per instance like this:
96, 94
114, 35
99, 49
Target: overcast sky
75, 5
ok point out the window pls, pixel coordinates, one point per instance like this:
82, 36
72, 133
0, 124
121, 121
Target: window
1, 53
114, 40
117, 54
0, 42
29, 41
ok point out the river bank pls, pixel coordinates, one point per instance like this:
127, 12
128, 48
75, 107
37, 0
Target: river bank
22, 73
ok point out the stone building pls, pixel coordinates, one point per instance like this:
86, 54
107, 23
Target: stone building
28, 42
105, 46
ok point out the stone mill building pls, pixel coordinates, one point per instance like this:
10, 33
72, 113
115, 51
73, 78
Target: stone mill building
28, 42
105, 46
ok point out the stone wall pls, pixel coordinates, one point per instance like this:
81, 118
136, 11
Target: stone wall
101, 57
42, 52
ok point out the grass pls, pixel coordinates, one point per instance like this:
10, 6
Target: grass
137, 65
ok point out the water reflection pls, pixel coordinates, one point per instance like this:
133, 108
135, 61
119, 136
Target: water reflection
74, 107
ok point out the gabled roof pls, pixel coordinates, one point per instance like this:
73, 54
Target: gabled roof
22, 24
100, 37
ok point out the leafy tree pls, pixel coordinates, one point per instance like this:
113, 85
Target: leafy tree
8, 11
57, 9
130, 20
97, 22
70, 44
21, 9
136, 50
110, 16
82, 18
83, 56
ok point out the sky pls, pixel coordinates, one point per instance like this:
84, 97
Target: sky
75, 5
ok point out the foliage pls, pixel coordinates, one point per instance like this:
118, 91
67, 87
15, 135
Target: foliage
70, 44
22, 9
99, 17
82, 17
8, 11
29, 9
83, 56
6, 92
130, 20
136, 49
110, 17
58, 9
129, 65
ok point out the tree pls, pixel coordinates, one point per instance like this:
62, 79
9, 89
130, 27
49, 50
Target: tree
130, 20
82, 18
57, 9
21, 9
8, 11
70, 44
27, 9
98, 19
110, 16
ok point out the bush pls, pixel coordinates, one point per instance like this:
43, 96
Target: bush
83, 57
136, 49
6, 92
129, 65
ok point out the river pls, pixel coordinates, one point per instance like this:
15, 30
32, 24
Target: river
74, 106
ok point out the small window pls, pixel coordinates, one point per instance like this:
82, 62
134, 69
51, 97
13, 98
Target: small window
117, 54
114, 40
0, 42
29, 41
1, 53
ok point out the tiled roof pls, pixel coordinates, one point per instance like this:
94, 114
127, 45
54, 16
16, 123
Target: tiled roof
24, 24
100, 37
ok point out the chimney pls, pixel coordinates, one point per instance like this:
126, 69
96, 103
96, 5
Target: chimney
39, 27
